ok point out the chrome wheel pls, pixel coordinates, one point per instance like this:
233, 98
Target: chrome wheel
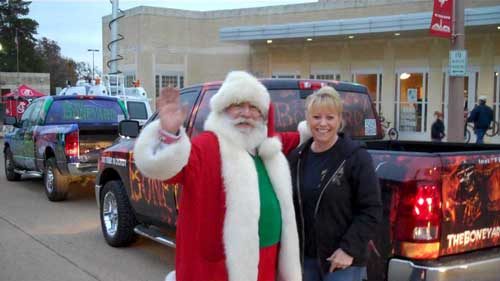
49, 180
110, 213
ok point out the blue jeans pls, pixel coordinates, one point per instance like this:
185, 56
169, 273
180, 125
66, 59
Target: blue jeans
480, 135
312, 272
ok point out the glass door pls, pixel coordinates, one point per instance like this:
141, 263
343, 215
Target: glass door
470, 90
412, 103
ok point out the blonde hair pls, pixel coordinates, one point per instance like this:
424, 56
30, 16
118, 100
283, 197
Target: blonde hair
325, 97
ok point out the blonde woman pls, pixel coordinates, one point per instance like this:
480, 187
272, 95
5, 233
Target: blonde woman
336, 195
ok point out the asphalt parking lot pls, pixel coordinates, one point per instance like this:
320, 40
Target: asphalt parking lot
46, 241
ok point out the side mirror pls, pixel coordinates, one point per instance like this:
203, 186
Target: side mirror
9, 120
128, 128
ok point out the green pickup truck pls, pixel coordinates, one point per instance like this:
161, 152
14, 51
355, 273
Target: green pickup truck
59, 138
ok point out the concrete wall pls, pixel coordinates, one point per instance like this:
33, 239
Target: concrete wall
37, 81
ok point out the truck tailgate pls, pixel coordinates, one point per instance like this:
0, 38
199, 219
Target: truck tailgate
471, 201
92, 140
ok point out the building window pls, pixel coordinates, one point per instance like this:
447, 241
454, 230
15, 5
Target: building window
325, 75
157, 85
412, 102
286, 75
129, 79
373, 82
166, 80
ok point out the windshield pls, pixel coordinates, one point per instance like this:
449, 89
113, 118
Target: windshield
137, 110
84, 110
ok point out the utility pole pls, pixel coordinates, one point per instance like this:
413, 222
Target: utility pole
17, 59
114, 37
456, 122
93, 51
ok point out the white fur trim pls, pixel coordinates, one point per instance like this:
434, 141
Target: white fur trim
158, 160
170, 276
289, 268
241, 224
240, 86
270, 147
304, 131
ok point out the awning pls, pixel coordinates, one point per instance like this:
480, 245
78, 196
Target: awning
366, 25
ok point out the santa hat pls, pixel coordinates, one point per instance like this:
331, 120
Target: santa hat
238, 87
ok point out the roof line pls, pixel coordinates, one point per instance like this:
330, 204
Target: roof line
366, 25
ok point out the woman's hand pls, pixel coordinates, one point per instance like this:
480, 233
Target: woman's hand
339, 259
171, 114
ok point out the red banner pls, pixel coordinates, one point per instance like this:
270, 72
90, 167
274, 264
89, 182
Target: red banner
441, 23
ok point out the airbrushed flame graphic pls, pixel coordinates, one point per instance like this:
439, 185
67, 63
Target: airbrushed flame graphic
470, 195
160, 197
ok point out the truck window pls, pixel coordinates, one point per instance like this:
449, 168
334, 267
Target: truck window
84, 110
26, 116
358, 116
189, 98
137, 110
35, 116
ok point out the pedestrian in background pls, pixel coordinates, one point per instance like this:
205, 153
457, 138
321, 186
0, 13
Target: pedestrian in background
336, 194
437, 129
481, 116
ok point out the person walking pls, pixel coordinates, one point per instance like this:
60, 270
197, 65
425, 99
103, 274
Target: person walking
236, 216
481, 116
336, 194
437, 128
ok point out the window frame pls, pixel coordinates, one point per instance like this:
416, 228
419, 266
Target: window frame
315, 74
294, 74
424, 104
378, 95
159, 76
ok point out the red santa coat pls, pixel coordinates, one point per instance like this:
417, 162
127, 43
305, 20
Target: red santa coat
217, 228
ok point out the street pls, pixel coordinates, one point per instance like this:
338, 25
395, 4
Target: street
45, 241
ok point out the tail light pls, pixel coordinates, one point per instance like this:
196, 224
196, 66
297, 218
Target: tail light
419, 213
418, 222
72, 145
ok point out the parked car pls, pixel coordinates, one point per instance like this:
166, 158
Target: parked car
60, 137
441, 200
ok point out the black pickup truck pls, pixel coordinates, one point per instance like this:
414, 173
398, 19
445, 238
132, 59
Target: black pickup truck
60, 137
441, 200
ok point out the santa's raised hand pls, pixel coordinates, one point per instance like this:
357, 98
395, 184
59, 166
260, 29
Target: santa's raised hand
170, 111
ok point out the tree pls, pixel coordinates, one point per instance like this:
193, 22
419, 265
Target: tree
61, 69
14, 29
84, 70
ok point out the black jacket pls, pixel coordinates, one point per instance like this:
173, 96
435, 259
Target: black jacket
437, 129
350, 208
481, 115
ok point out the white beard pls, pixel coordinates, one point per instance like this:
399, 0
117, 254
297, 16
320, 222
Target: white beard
246, 138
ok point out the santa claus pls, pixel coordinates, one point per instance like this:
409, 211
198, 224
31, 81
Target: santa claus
236, 217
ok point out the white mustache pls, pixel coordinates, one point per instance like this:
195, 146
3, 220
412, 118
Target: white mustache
243, 120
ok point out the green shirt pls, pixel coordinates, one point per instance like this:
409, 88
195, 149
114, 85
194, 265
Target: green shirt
270, 212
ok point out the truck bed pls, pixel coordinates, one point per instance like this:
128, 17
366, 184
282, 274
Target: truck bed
465, 204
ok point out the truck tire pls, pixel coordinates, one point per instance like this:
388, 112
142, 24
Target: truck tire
55, 183
9, 166
117, 218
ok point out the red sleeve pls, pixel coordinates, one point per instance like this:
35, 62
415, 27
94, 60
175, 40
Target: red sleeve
289, 141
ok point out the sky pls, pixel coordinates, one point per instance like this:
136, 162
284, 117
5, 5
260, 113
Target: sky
76, 25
